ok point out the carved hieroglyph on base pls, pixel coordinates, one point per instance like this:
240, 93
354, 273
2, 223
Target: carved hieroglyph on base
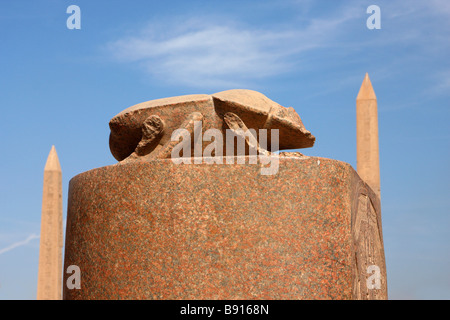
368, 244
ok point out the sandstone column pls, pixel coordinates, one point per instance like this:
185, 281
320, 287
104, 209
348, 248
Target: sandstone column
367, 150
50, 254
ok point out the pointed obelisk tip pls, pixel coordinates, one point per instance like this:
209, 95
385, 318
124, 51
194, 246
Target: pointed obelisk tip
366, 91
52, 163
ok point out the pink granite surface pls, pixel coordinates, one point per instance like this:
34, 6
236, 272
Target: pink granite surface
157, 230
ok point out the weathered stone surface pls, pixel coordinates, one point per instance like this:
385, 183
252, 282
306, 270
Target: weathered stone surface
156, 230
130, 133
367, 149
51, 242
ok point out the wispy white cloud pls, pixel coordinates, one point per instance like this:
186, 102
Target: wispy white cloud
441, 7
211, 54
222, 52
30, 238
440, 84
19, 243
219, 52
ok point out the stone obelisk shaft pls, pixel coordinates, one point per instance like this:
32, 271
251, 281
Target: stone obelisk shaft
367, 149
51, 242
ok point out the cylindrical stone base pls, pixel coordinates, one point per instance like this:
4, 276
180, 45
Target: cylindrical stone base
158, 230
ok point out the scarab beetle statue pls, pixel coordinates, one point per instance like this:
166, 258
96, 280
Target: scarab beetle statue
144, 131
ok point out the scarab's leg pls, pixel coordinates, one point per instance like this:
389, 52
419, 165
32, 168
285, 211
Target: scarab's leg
152, 130
291, 154
150, 148
187, 128
240, 129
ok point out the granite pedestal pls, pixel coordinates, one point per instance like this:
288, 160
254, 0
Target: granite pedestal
158, 230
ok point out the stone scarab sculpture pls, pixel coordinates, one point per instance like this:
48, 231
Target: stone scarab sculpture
143, 131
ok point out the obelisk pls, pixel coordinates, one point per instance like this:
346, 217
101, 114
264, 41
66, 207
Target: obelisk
51, 243
367, 149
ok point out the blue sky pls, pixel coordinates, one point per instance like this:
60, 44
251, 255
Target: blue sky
61, 87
